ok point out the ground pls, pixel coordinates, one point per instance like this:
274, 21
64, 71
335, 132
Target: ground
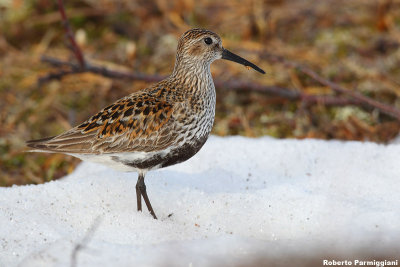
238, 202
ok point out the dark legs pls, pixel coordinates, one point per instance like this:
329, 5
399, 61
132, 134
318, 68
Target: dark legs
141, 191
138, 194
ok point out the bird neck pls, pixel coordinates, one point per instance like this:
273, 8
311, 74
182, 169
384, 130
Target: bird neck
193, 73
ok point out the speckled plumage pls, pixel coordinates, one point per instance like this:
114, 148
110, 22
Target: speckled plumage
159, 126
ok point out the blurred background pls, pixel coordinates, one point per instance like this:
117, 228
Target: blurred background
353, 43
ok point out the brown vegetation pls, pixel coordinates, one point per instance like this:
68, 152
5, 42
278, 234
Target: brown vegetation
350, 45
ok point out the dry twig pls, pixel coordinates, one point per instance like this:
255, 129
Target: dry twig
232, 84
74, 68
74, 46
361, 99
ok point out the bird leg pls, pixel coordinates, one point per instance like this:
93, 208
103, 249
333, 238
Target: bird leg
138, 195
141, 191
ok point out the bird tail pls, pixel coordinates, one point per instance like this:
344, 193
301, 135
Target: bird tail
39, 145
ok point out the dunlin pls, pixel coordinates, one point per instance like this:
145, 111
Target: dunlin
164, 124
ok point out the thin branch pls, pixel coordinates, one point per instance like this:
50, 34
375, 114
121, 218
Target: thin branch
55, 76
232, 84
74, 46
364, 100
74, 68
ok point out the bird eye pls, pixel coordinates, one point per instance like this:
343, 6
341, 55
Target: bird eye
208, 40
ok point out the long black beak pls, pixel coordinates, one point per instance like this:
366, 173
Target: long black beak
235, 58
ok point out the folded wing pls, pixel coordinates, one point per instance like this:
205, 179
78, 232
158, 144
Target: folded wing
134, 123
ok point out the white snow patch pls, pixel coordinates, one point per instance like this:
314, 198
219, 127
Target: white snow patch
237, 199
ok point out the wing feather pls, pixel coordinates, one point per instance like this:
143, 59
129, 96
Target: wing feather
142, 121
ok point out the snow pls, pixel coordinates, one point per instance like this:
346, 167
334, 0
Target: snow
236, 201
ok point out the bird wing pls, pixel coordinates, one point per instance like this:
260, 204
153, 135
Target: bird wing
139, 122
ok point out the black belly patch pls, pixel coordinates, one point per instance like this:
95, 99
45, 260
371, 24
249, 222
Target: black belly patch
177, 155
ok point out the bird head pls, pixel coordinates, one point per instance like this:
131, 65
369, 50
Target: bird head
204, 47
